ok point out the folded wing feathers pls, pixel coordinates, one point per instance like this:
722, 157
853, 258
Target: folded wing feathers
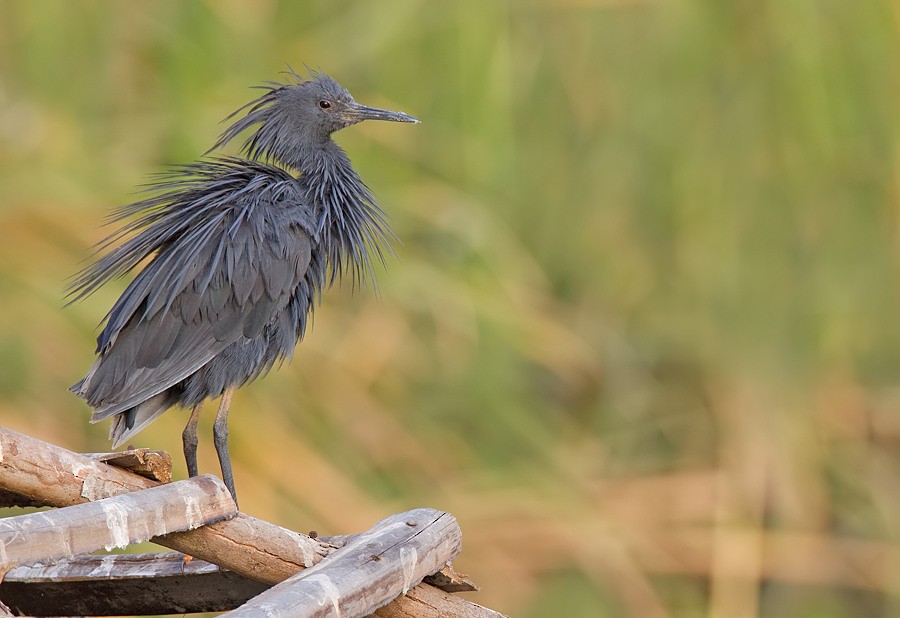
205, 286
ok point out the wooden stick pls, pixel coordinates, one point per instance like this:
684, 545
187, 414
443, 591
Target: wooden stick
428, 602
155, 465
447, 579
113, 522
367, 573
129, 584
54, 476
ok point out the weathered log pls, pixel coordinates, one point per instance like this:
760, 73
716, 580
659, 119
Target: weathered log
113, 585
118, 521
27, 464
155, 465
447, 579
368, 572
428, 602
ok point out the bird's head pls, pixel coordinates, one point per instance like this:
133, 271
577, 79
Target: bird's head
295, 117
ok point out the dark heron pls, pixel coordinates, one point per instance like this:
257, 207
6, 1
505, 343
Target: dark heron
238, 249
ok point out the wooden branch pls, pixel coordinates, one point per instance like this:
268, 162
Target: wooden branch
127, 584
447, 579
367, 573
155, 465
427, 602
54, 476
113, 522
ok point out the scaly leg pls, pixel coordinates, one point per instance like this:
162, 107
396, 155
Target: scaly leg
189, 440
220, 437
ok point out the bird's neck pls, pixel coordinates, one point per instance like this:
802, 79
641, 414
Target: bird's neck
332, 185
350, 227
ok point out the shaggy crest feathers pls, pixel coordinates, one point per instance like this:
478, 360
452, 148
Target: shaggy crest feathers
270, 111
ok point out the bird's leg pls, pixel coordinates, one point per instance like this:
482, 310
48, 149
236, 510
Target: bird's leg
189, 440
220, 437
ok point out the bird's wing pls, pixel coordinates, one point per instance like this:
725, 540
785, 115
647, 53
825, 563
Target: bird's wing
230, 244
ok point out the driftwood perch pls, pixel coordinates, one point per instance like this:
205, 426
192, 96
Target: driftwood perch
118, 521
33, 471
367, 572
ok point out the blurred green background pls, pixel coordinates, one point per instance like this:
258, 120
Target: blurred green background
641, 337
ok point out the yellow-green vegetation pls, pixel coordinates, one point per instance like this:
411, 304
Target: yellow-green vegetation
641, 335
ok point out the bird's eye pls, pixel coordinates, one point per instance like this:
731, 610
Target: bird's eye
325, 104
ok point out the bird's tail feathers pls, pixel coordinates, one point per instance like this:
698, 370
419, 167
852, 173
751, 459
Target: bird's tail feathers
131, 421
78, 387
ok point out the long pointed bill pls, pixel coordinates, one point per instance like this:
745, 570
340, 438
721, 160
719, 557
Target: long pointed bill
364, 112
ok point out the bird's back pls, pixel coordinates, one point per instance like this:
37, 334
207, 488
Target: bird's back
224, 296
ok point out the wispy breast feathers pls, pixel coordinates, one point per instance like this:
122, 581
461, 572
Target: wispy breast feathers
354, 230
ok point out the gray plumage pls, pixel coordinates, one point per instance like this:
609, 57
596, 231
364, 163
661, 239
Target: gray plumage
238, 249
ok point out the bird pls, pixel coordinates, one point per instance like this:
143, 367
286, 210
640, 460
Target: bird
236, 252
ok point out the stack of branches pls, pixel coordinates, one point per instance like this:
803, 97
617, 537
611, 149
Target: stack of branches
224, 559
